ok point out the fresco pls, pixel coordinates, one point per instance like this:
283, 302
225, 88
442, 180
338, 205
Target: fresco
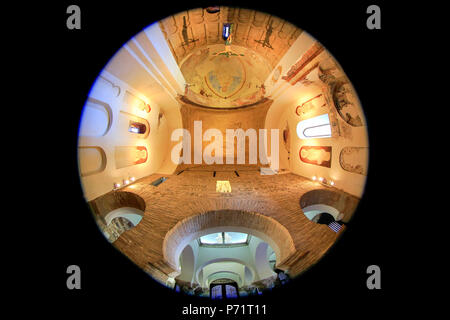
220, 81
354, 159
129, 156
317, 155
190, 30
226, 78
310, 107
276, 75
286, 138
305, 59
346, 104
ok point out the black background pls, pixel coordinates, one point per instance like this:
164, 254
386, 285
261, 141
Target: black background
64, 233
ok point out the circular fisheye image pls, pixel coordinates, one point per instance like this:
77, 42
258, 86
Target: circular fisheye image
223, 151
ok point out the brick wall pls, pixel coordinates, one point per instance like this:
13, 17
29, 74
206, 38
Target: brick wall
193, 192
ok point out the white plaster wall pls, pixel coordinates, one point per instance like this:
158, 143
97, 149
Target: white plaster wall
298, 48
282, 111
244, 255
209, 255
156, 142
145, 68
187, 262
259, 250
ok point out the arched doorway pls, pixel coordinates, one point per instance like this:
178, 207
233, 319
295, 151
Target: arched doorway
227, 220
223, 289
325, 215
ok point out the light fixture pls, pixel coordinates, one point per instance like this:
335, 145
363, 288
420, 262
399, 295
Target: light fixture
116, 185
126, 181
132, 179
226, 30
320, 179
332, 183
314, 178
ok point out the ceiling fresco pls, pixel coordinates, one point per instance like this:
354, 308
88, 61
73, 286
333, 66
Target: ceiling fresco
259, 41
266, 34
225, 82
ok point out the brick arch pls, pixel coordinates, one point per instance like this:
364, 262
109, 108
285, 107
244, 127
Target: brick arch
115, 200
344, 203
206, 263
193, 227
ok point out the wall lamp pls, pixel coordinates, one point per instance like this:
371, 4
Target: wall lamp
323, 181
125, 182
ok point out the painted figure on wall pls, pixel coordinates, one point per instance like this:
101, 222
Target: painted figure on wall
317, 155
266, 41
354, 159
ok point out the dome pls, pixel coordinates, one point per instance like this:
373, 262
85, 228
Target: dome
221, 81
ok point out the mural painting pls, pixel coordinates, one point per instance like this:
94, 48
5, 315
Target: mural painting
286, 138
311, 106
188, 31
347, 104
226, 78
317, 155
306, 58
222, 81
128, 156
354, 159
266, 41
276, 75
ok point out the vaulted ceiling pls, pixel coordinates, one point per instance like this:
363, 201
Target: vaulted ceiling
265, 34
259, 41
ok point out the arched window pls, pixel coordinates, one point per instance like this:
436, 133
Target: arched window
224, 288
120, 220
137, 127
224, 238
316, 127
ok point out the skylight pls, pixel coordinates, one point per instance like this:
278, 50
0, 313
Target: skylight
316, 127
223, 186
224, 238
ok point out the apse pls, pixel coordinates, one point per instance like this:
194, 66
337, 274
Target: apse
223, 152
